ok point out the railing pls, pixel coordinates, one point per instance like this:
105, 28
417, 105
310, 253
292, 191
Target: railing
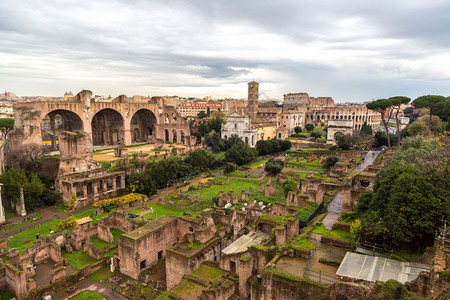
304, 223
319, 277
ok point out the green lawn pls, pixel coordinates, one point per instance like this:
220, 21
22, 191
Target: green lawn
88, 295
242, 174
304, 213
116, 233
256, 164
90, 213
100, 244
100, 274
18, 240
340, 234
38, 217
78, 259
236, 184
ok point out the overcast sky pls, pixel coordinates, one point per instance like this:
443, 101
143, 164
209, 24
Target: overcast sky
349, 50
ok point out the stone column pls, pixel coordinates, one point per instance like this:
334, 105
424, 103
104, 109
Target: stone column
23, 212
2, 211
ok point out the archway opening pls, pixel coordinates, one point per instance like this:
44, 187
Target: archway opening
55, 122
144, 121
107, 128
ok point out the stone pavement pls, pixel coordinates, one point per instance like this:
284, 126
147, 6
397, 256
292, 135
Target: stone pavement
93, 286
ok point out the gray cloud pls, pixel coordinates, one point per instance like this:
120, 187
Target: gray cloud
350, 50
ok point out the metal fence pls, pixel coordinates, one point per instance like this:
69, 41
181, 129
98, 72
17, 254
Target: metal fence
304, 223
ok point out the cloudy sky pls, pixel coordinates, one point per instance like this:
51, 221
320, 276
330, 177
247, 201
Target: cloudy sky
350, 50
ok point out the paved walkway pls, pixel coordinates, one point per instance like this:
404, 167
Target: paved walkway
335, 206
93, 286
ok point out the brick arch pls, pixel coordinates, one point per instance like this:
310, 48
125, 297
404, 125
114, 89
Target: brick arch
107, 127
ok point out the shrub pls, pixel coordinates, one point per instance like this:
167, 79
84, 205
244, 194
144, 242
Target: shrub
124, 199
309, 127
230, 167
274, 166
297, 129
330, 161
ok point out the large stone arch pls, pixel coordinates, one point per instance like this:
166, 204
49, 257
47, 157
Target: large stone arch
56, 121
107, 128
144, 122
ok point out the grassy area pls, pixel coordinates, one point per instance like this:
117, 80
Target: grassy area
256, 164
78, 259
90, 213
340, 234
219, 155
38, 217
88, 295
236, 184
100, 274
100, 244
305, 212
303, 164
6, 295
9, 214
405, 254
18, 240
207, 273
243, 175
116, 233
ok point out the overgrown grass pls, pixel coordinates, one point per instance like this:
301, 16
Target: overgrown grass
6, 295
304, 213
38, 217
100, 274
207, 273
100, 244
243, 175
78, 259
116, 233
88, 295
340, 234
236, 184
18, 240
256, 164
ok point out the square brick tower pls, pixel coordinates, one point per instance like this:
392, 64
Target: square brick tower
253, 95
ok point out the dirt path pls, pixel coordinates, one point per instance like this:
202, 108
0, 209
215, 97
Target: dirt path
93, 286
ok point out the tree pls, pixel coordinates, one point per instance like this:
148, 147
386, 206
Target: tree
215, 123
432, 102
344, 141
6, 125
202, 114
274, 166
208, 111
309, 127
330, 161
366, 129
28, 157
200, 160
397, 102
381, 139
297, 129
215, 142
230, 167
384, 107
240, 153
233, 139
285, 145
15, 179
32, 191
418, 128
